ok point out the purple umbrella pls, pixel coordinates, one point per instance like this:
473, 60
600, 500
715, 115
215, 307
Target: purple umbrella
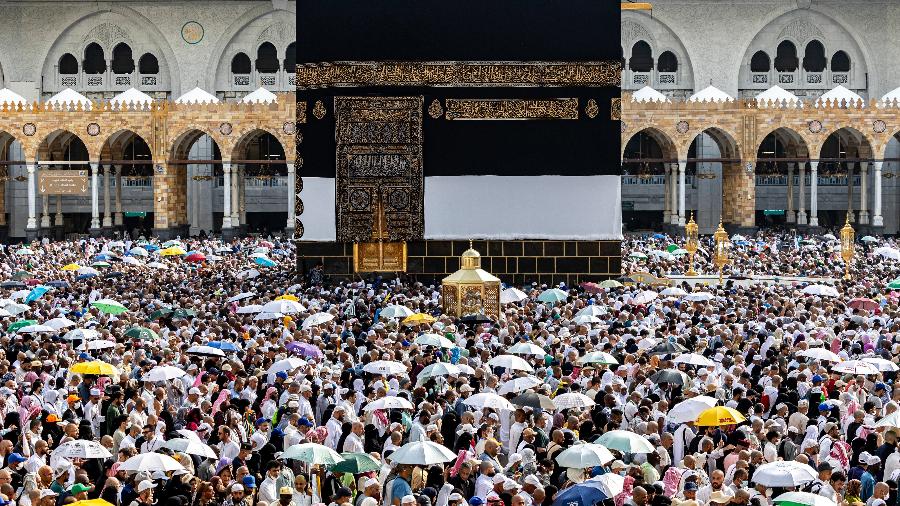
305, 349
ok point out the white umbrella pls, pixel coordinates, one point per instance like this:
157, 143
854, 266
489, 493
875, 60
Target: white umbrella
312, 453
598, 357
512, 295
388, 403
287, 364
519, 384
385, 367
99, 344
593, 310
242, 296
464, 369
34, 329
645, 297
488, 400
436, 340
149, 462
88, 271
694, 359
688, 410
610, 484
819, 354
888, 252
572, 400
81, 449
883, 365
804, 497
699, 297
438, 369
14, 309
625, 441
248, 274
19, 294
821, 290
250, 309
510, 362
158, 265
527, 349
60, 323
422, 453
784, 474
265, 315
191, 447
396, 311
584, 455
205, 350
163, 373
283, 306
673, 291
855, 367
83, 334
586, 320
317, 319
139, 252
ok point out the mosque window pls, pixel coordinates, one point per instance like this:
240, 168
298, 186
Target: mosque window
668, 62
760, 62
94, 62
290, 57
641, 57
122, 62
68, 64
814, 57
240, 64
786, 57
148, 64
840, 62
267, 58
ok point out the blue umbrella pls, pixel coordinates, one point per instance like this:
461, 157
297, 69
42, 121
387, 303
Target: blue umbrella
102, 256
36, 293
222, 345
151, 247
58, 284
579, 495
264, 262
86, 276
658, 236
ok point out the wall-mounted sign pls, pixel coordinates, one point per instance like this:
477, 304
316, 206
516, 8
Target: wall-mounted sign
63, 182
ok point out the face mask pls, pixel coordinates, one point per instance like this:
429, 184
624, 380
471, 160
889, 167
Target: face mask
621, 473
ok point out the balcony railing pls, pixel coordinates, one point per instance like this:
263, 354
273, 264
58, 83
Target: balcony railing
781, 180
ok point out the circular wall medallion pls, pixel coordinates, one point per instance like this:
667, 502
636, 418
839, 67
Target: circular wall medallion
879, 126
192, 32
93, 129
398, 199
815, 126
29, 129
360, 200
226, 128
288, 127
682, 127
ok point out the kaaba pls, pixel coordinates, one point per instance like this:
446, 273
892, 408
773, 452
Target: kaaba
426, 124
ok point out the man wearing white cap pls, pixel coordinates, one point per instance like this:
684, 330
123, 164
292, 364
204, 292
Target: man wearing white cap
145, 494
371, 489
92, 411
531, 484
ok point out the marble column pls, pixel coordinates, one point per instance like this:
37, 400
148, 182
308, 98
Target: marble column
673, 196
850, 214
58, 222
45, 211
791, 217
32, 220
814, 194
864, 193
226, 200
877, 219
107, 215
682, 192
235, 211
801, 215
242, 196
667, 201
292, 196
117, 175
95, 200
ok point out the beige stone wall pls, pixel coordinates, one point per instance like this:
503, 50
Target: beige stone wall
167, 127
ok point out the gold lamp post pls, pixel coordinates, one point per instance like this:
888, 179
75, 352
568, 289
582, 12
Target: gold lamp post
848, 236
721, 257
693, 242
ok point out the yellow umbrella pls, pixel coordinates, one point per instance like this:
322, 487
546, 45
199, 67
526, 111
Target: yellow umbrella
718, 416
173, 251
419, 318
288, 297
96, 368
91, 502
71, 267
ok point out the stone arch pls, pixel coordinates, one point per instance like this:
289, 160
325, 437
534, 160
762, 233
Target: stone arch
116, 145
661, 38
115, 23
53, 147
181, 143
858, 140
787, 135
666, 144
738, 194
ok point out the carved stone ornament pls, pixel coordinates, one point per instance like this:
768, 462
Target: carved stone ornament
435, 110
289, 128
591, 110
682, 127
815, 126
226, 128
93, 129
878, 126
29, 129
319, 110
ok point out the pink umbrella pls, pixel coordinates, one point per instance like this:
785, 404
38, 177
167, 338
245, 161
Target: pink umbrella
196, 257
864, 303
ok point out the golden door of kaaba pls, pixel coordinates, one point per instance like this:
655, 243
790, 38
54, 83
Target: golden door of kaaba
379, 179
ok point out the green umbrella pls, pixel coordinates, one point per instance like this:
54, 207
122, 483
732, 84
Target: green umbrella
100, 263
19, 324
553, 295
312, 453
109, 306
181, 314
894, 285
355, 463
141, 333
159, 313
610, 283
22, 275
672, 247
638, 254
869, 238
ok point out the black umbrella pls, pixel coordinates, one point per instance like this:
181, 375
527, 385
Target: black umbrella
58, 284
12, 285
668, 376
534, 401
668, 348
475, 319
115, 274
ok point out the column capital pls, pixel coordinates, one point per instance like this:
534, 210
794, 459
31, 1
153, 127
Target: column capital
790, 165
290, 167
814, 165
